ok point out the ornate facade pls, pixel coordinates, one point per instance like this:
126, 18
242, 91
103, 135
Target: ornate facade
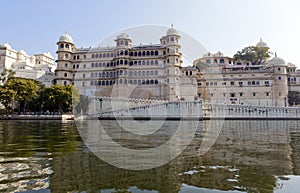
146, 71
38, 67
239, 82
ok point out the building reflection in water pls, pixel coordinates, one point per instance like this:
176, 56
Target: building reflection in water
247, 156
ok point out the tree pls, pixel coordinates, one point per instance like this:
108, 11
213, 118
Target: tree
6, 74
201, 66
59, 98
294, 98
254, 54
19, 91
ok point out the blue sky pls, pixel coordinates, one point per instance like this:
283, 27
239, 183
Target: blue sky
219, 25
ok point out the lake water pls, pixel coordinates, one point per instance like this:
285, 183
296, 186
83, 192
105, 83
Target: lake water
247, 156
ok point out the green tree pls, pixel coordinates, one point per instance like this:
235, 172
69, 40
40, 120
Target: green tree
294, 98
201, 66
6, 74
59, 98
18, 91
254, 54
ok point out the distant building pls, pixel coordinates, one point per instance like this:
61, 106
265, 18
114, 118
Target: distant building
239, 82
125, 70
38, 67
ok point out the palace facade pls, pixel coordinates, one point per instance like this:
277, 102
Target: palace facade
151, 71
155, 71
38, 67
223, 80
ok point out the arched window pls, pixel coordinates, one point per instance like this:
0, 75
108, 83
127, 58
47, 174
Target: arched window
151, 73
121, 61
152, 62
111, 54
172, 39
147, 73
147, 81
156, 81
92, 74
135, 53
126, 43
66, 55
67, 45
156, 72
148, 53
156, 62
65, 83
139, 73
143, 62
126, 52
92, 65
131, 63
135, 73
96, 55
91, 83
139, 81
135, 82
125, 81
126, 62
121, 81
93, 56
222, 61
103, 55
207, 61
144, 53
99, 74
61, 45
156, 53
66, 65
152, 53
100, 55
121, 52
143, 73
65, 75
215, 61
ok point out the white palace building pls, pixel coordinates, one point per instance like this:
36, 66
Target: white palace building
155, 71
152, 71
38, 67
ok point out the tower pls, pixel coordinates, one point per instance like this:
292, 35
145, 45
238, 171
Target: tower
64, 72
121, 63
280, 86
172, 63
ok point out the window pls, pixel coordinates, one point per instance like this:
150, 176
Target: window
241, 83
241, 94
278, 69
207, 61
231, 83
222, 61
254, 94
267, 94
267, 82
66, 55
83, 75
61, 45
66, 65
65, 75
279, 77
279, 94
65, 83
232, 94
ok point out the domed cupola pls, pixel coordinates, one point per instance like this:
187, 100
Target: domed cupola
123, 40
277, 61
262, 44
66, 38
5, 45
172, 31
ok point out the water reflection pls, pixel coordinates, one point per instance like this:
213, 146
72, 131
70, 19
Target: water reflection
248, 156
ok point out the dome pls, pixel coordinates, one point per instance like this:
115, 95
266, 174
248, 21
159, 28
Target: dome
276, 61
123, 36
262, 44
66, 38
22, 52
172, 31
5, 45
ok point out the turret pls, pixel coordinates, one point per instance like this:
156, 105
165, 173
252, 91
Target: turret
280, 87
64, 71
173, 62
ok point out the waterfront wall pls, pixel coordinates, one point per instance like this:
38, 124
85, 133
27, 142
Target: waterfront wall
249, 112
170, 110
